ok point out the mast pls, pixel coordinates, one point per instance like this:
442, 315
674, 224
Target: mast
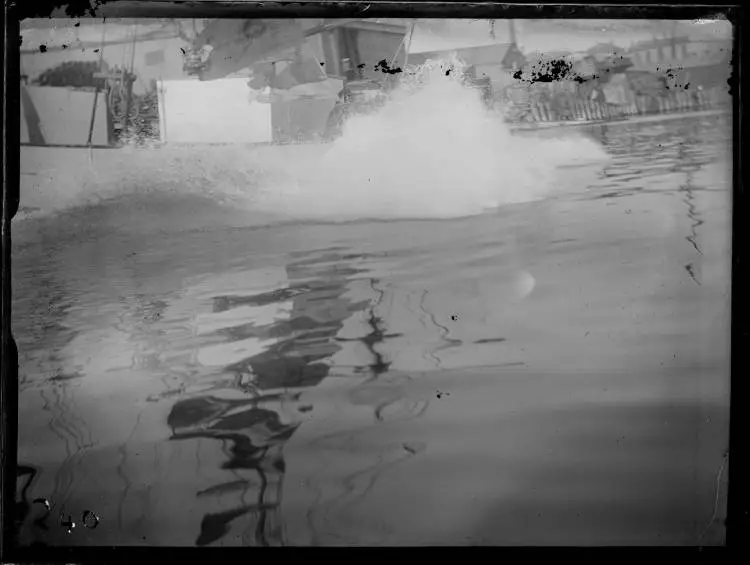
96, 85
512, 32
129, 83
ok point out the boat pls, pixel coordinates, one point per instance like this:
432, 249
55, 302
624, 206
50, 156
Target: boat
368, 57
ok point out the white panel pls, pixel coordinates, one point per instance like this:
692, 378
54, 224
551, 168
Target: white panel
65, 115
217, 111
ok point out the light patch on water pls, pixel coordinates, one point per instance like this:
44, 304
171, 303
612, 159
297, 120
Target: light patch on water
524, 284
239, 283
225, 354
257, 315
432, 152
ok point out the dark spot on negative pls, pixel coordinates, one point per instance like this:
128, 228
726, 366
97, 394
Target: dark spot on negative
43, 48
384, 67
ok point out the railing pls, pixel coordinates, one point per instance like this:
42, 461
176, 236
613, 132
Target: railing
582, 110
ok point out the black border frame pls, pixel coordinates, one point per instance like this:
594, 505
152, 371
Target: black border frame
738, 521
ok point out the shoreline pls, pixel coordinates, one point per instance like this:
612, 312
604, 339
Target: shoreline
629, 120
520, 127
41, 165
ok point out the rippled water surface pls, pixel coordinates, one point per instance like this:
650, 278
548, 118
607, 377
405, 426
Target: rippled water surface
552, 372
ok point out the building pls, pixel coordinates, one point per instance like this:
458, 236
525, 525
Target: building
610, 58
156, 54
347, 51
681, 62
497, 61
354, 49
659, 51
304, 79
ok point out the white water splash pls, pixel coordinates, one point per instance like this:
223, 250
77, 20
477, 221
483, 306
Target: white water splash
433, 151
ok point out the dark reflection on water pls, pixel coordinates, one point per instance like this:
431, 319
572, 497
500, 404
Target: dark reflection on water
377, 335
306, 339
252, 440
251, 433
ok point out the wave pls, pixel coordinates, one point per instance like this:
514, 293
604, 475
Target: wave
431, 152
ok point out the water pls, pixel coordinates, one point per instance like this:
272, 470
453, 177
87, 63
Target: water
545, 363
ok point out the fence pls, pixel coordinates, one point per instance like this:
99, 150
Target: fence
583, 110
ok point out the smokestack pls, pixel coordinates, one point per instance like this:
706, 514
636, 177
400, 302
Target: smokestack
512, 31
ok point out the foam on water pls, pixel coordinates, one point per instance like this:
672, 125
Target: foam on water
431, 152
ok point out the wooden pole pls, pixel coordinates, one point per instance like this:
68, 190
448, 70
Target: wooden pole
129, 84
162, 108
96, 87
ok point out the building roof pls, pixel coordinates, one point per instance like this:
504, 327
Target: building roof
688, 62
604, 49
482, 55
384, 25
608, 53
536, 56
659, 42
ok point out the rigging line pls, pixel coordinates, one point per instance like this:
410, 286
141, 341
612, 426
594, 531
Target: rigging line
408, 43
129, 84
132, 54
323, 73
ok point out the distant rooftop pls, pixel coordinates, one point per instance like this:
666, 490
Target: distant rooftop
661, 42
480, 55
605, 49
691, 61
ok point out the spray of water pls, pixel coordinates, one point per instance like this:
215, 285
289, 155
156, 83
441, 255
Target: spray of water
433, 151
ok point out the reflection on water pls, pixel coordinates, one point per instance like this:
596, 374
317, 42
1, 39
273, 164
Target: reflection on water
554, 372
251, 430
